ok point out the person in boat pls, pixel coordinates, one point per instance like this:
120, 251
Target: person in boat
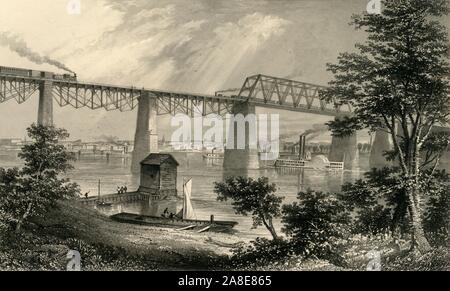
166, 213
86, 195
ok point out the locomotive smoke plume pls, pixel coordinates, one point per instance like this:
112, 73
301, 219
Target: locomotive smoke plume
19, 46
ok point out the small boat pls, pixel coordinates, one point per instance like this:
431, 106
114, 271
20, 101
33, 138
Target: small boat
183, 221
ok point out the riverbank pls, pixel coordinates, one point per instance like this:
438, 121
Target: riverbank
108, 245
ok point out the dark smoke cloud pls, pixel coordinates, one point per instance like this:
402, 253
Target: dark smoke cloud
317, 130
19, 46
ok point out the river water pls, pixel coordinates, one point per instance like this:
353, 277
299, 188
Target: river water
89, 170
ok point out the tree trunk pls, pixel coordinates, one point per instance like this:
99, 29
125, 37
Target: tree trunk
419, 241
24, 217
269, 226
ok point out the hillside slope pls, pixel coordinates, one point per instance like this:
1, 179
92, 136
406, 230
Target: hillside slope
108, 245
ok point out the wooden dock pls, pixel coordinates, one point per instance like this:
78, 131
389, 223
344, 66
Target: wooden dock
116, 198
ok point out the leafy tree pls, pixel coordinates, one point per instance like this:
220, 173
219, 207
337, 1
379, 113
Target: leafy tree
35, 189
255, 197
317, 225
397, 81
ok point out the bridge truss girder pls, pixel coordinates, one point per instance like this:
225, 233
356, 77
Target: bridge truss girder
18, 89
260, 90
126, 99
95, 97
184, 104
274, 91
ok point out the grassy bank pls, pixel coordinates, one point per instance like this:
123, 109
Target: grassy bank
108, 245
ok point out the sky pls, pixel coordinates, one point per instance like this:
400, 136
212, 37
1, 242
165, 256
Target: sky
185, 45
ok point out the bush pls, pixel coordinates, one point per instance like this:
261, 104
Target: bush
373, 221
261, 253
436, 260
252, 197
317, 226
36, 188
25, 251
380, 205
437, 214
101, 257
377, 202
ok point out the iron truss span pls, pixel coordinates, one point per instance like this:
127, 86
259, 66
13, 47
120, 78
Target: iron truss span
260, 90
17, 88
281, 93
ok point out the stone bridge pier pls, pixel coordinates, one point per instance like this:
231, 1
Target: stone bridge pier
45, 111
381, 143
146, 136
345, 149
241, 151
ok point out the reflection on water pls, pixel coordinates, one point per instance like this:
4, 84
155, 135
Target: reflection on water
115, 172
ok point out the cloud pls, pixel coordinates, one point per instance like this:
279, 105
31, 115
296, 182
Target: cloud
165, 47
195, 46
230, 46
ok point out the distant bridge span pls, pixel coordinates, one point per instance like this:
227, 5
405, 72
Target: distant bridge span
259, 90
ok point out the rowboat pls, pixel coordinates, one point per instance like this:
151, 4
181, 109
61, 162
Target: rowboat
183, 221
180, 224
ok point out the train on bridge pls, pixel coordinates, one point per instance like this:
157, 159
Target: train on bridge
36, 74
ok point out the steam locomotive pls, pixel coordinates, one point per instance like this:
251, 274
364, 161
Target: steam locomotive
36, 74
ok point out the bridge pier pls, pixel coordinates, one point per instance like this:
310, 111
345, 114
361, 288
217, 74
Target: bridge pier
146, 137
45, 111
241, 152
345, 149
380, 145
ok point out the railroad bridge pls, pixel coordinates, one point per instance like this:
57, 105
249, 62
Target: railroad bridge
257, 91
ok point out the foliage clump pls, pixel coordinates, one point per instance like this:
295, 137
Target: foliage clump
36, 188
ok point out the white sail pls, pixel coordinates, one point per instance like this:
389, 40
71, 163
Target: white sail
188, 210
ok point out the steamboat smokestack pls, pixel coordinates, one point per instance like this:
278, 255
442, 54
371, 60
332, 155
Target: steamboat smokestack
302, 147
